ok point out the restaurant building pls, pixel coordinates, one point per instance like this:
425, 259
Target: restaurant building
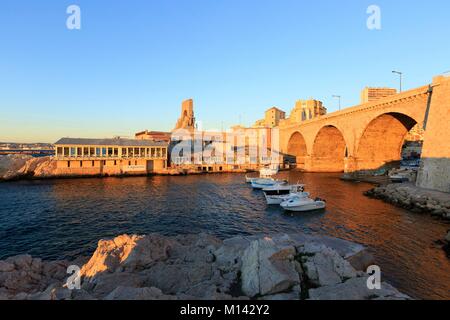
115, 156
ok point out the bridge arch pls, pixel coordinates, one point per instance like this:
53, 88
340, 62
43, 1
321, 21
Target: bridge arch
297, 148
382, 140
329, 150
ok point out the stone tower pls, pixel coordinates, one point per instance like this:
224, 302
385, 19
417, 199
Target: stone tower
187, 119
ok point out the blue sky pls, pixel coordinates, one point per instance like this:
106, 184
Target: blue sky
133, 62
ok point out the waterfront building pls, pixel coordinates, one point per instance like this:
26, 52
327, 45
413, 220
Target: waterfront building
237, 149
369, 94
110, 156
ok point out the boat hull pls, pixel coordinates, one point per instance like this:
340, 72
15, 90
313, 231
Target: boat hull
278, 199
316, 205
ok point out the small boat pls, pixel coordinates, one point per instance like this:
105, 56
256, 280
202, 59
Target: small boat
269, 171
303, 204
262, 183
250, 179
278, 199
398, 178
276, 194
283, 189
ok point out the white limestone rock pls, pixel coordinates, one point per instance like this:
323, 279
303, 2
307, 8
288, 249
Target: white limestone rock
268, 268
356, 289
323, 266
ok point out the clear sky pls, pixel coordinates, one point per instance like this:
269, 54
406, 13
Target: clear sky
133, 62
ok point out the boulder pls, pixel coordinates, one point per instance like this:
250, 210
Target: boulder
178, 278
250, 270
361, 260
268, 268
228, 255
6, 266
105, 283
130, 293
326, 267
126, 253
356, 289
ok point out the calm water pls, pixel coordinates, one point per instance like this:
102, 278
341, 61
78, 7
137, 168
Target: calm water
59, 219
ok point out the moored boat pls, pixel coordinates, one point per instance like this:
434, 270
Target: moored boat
278, 199
269, 171
263, 183
303, 204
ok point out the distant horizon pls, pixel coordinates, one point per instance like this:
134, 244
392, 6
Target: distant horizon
130, 65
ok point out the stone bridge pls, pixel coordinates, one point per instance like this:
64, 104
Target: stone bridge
370, 135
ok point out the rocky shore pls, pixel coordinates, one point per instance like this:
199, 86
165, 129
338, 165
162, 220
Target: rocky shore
155, 267
410, 197
19, 167
13, 167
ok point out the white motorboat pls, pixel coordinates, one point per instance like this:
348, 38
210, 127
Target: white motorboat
263, 183
284, 189
278, 199
250, 179
269, 171
303, 204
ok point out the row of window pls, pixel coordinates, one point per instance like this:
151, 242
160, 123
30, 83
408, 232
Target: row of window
103, 163
112, 152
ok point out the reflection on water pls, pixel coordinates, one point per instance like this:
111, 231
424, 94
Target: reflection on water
58, 219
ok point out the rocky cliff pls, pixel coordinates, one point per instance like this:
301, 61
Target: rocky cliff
22, 166
281, 267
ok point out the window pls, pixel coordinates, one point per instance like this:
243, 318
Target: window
103, 152
91, 151
79, 151
129, 163
104, 162
115, 162
59, 151
116, 152
124, 152
81, 164
110, 152
85, 151
68, 164
97, 152
93, 163
66, 151
73, 152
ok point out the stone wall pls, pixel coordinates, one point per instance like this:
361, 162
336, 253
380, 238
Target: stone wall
435, 168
